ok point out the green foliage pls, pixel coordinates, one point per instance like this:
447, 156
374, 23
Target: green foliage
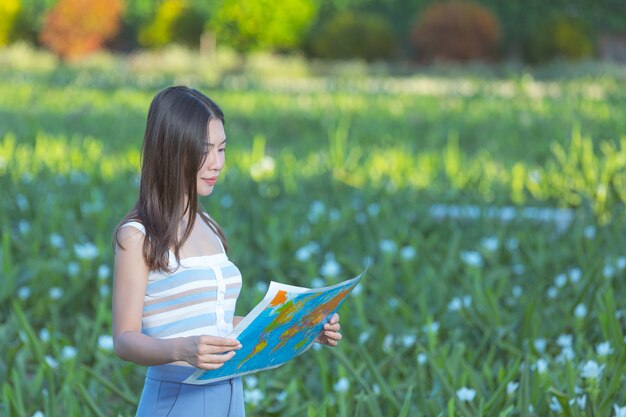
160, 31
558, 36
360, 165
355, 35
262, 24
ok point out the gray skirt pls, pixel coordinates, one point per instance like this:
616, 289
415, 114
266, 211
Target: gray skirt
164, 395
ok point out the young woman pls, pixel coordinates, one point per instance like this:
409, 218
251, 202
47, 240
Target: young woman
175, 289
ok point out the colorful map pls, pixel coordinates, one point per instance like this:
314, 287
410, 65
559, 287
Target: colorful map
282, 326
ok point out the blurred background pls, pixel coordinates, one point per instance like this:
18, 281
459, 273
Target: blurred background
472, 152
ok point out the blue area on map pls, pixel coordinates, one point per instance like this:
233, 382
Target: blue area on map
296, 344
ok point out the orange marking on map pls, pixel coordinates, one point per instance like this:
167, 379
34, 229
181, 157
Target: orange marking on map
279, 298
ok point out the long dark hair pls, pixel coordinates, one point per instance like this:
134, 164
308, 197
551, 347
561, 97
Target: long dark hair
174, 148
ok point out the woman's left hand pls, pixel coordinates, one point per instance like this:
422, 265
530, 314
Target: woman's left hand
330, 334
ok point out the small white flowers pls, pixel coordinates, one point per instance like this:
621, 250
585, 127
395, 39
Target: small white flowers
421, 358
431, 328
52, 363
331, 267
68, 352
86, 251
511, 387
580, 311
56, 240
540, 345
38, 414
388, 246
565, 340
305, 252
23, 293
56, 293
251, 381
407, 253
105, 342
104, 271
589, 232
542, 365
342, 385
490, 243
466, 394
472, 258
388, 343
591, 370
581, 401
604, 349
619, 411
555, 405
254, 396
560, 280
261, 286
457, 303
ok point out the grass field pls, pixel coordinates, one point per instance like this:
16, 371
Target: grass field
468, 309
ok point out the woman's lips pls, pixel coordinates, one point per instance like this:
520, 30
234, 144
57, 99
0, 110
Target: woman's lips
210, 181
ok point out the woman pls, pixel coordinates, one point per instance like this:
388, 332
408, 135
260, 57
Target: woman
175, 289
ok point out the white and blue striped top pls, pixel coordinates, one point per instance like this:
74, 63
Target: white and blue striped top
198, 298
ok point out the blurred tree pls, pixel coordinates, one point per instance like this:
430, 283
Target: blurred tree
456, 30
29, 20
355, 35
9, 11
76, 27
160, 30
558, 35
262, 24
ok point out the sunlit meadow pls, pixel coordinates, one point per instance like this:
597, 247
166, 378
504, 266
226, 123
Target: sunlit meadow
489, 203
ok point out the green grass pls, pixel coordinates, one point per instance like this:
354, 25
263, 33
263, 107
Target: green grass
352, 158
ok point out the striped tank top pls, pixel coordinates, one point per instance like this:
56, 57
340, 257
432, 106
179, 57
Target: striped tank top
197, 298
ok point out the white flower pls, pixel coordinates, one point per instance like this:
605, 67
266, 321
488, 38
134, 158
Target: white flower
104, 290
565, 340
575, 274
619, 411
251, 381
455, 305
73, 268
317, 282
591, 370
517, 291
604, 349
261, 286
331, 267
555, 405
86, 251
263, 168
105, 342
388, 343
52, 363
467, 301
408, 340
24, 226
357, 290
490, 243
552, 292
589, 232
542, 365
44, 335
518, 269
580, 311
360, 218
104, 271
281, 396
315, 212
388, 246
466, 394
38, 414
407, 253
376, 389
56, 240
305, 252
22, 202
511, 387
226, 201
512, 244
254, 396
342, 385
581, 401
540, 345
373, 209
68, 352
621, 263
608, 271
472, 258
421, 358
567, 355
23, 293
432, 328
363, 337
560, 280
56, 293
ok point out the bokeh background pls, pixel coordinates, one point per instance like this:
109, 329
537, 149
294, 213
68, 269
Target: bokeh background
473, 153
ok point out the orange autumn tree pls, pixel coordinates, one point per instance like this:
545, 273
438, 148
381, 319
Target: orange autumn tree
74, 28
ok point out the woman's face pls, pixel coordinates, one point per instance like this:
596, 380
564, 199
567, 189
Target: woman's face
214, 161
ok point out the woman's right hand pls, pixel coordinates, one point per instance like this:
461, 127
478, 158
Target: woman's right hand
209, 352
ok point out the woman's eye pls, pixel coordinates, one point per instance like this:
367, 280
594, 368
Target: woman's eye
222, 150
